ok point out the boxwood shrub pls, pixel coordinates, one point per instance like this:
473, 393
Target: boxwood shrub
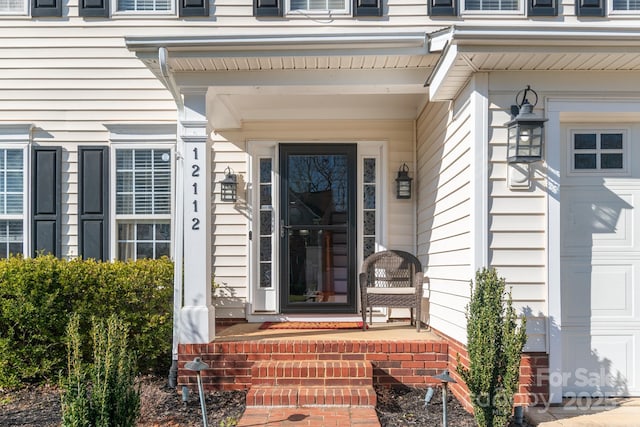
38, 296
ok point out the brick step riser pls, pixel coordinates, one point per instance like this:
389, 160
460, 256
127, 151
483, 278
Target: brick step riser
231, 363
330, 373
313, 382
300, 397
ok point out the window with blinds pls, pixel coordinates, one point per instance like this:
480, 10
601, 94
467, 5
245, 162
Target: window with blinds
492, 5
625, 5
335, 6
143, 203
11, 7
11, 202
144, 6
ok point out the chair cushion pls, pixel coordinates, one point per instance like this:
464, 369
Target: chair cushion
392, 291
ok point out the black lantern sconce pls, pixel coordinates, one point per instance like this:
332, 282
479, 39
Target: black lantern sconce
525, 130
403, 183
229, 186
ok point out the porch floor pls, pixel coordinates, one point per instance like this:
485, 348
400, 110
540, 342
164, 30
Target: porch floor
393, 331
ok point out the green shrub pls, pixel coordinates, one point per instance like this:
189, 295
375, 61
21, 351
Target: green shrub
110, 398
37, 296
75, 398
494, 344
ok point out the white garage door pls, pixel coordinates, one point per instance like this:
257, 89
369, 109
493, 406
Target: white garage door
601, 262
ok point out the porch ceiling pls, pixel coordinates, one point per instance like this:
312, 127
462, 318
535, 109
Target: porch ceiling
363, 76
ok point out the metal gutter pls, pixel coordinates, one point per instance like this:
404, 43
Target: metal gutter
405, 43
163, 60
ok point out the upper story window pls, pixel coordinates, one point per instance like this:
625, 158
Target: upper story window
491, 5
625, 5
13, 7
144, 6
143, 203
319, 6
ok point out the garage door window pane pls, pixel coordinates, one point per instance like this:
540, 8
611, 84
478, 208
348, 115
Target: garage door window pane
585, 161
585, 141
611, 141
611, 161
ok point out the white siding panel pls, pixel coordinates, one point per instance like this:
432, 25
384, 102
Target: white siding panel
515, 257
514, 205
517, 223
517, 240
444, 224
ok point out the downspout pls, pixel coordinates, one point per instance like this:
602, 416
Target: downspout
163, 57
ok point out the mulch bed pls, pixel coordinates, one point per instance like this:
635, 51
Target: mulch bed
161, 406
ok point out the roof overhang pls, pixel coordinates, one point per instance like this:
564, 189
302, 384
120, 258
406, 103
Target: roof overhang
465, 50
330, 76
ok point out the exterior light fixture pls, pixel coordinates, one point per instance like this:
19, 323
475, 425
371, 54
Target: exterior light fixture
525, 130
229, 186
445, 379
198, 365
403, 183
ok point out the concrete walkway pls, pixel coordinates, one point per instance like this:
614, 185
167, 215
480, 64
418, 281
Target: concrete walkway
611, 413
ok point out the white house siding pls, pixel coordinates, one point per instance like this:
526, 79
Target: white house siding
231, 221
444, 207
69, 80
230, 262
517, 223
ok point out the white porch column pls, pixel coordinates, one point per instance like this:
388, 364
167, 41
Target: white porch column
197, 317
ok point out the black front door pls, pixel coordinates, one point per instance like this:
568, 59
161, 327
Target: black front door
317, 228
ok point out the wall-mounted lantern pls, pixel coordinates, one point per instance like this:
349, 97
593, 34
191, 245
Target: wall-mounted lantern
229, 186
525, 130
403, 183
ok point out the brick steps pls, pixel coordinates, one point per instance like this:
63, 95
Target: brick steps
363, 396
312, 383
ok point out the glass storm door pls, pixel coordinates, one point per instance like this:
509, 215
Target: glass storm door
317, 228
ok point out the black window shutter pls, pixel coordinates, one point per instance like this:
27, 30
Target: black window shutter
442, 8
590, 7
97, 8
194, 7
93, 202
542, 7
46, 187
367, 7
46, 7
267, 7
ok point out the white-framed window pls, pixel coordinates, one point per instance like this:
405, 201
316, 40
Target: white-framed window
138, 7
14, 194
143, 200
14, 7
12, 201
625, 6
492, 6
371, 206
318, 7
598, 151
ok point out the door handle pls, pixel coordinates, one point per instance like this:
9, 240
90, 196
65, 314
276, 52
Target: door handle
283, 227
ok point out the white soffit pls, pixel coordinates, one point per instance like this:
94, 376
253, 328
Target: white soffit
330, 76
467, 49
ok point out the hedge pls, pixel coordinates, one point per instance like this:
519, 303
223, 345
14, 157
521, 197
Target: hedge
38, 296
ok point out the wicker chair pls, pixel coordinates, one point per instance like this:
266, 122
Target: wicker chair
391, 279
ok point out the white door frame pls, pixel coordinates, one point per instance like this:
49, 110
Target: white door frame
257, 148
